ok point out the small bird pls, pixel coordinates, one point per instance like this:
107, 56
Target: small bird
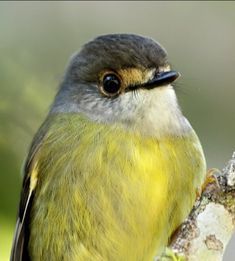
115, 168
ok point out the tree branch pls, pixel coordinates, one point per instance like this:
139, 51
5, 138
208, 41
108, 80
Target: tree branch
205, 234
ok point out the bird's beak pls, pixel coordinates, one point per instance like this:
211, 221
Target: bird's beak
160, 79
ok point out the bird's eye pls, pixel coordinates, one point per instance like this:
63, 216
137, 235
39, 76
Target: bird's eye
111, 84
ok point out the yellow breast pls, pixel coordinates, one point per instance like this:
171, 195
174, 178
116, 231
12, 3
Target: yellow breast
104, 193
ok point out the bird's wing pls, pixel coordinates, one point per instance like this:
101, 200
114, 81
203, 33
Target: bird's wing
20, 242
19, 248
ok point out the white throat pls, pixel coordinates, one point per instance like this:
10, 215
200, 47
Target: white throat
151, 112
159, 113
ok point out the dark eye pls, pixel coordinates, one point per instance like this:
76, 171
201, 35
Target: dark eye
111, 84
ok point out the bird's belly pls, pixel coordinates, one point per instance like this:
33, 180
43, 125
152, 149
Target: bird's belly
120, 198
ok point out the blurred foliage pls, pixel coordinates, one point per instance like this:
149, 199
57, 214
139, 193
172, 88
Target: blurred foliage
37, 38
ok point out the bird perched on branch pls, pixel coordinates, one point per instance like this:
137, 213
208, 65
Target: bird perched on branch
115, 167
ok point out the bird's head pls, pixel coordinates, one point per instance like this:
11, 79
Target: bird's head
122, 79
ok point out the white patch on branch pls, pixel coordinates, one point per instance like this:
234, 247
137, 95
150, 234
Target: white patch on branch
229, 171
214, 226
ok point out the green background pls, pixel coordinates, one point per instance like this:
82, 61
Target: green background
37, 38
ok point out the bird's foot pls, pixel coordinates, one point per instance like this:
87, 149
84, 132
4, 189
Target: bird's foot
211, 178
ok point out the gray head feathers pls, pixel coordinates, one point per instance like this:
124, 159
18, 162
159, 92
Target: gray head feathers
115, 51
154, 112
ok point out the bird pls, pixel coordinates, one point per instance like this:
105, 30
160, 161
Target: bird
115, 167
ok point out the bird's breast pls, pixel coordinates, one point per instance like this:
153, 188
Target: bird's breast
110, 193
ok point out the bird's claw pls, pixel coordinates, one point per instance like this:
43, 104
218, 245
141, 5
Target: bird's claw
211, 178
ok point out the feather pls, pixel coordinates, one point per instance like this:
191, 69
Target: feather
19, 251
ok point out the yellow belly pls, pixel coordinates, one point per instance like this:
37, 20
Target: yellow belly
104, 193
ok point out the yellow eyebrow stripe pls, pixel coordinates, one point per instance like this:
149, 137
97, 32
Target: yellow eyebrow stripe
133, 76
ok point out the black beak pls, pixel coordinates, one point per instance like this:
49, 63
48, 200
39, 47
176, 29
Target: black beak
160, 79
